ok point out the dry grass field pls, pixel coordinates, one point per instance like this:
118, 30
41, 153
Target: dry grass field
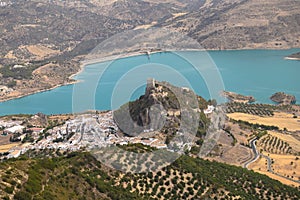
146, 26
280, 119
260, 166
242, 135
10, 55
40, 51
61, 118
286, 165
7, 147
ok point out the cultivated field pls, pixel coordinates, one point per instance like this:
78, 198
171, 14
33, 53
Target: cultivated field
280, 119
290, 139
282, 148
273, 144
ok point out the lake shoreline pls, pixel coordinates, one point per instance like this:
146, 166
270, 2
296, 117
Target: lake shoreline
111, 58
38, 91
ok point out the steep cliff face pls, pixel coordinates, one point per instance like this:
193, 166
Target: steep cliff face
162, 109
282, 98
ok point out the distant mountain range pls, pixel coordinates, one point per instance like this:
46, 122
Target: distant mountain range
228, 24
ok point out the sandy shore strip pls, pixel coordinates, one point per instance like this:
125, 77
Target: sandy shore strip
37, 91
112, 57
291, 58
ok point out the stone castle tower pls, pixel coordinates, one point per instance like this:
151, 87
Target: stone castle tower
150, 85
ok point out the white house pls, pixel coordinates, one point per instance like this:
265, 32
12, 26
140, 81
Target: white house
209, 109
14, 129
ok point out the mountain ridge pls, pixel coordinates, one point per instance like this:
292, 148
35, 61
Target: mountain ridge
49, 38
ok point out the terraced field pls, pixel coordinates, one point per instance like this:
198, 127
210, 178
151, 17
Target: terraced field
252, 109
290, 139
272, 144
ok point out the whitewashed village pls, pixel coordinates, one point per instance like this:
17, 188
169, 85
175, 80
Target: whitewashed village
85, 131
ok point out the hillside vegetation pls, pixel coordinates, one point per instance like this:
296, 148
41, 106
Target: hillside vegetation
81, 176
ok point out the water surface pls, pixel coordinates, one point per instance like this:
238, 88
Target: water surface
259, 73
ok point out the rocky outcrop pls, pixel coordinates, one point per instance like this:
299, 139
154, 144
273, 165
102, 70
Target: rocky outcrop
161, 109
234, 97
282, 98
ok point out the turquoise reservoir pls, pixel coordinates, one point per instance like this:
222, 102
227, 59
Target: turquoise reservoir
259, 73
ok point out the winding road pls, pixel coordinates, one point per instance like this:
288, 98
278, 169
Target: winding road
269, 161
255, 152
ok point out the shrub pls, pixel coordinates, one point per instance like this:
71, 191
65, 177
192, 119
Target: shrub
12, 84
9, 190
22, 196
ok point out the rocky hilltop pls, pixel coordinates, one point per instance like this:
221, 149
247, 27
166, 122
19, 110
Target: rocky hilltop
162, 109
282, 98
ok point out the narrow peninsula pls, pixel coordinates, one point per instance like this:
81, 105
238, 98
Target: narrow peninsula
234, 97
295, 56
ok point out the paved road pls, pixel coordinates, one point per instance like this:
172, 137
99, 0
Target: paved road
269, 161
255, 152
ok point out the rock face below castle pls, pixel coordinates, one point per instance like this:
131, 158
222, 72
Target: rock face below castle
161, 109
282, 98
